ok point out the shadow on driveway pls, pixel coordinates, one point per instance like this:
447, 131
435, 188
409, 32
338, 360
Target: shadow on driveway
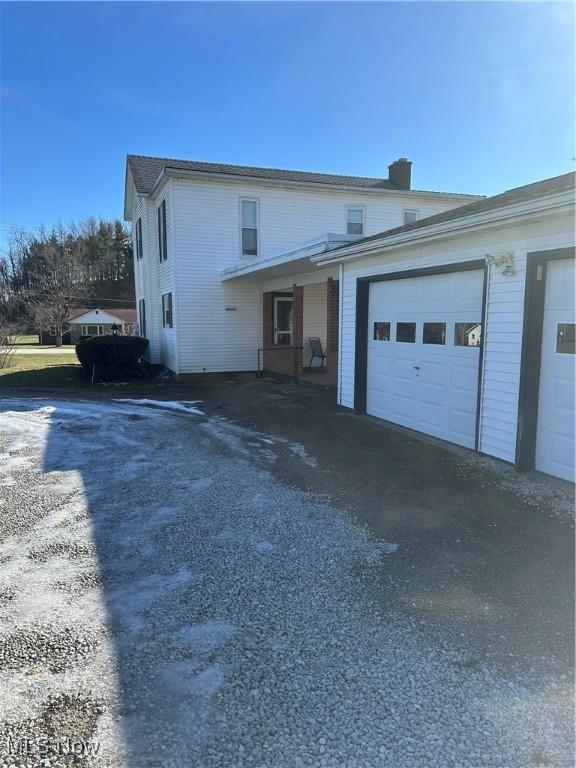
483, 552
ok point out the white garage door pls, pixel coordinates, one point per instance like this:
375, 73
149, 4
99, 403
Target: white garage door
423, 353
556, 413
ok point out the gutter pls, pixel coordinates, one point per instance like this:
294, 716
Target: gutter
347, 253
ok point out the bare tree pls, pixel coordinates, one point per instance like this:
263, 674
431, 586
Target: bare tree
59, 281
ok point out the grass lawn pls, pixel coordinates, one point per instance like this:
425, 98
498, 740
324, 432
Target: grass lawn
42, 371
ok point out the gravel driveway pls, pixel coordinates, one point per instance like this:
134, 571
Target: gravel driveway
165, 600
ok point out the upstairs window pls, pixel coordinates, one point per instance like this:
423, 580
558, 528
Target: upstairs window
162, 240
138, 234
167, 310
410, 216
249, 225
355, 221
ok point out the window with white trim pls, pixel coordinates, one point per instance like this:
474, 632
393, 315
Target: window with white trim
167, 320
249, 226
410, 215
92, 330
355, 221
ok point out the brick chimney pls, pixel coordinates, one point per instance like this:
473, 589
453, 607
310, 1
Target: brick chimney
400, 173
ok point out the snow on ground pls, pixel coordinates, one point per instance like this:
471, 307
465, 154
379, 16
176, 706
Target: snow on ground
167, 601
168, 405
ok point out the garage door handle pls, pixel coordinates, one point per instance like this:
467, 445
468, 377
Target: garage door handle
416, 367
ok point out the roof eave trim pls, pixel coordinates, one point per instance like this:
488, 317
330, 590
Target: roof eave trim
348, 253
182, 173
129, 189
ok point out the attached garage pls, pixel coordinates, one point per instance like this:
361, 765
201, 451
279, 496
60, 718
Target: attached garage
462, 326
556, 412
424, 337
547, 395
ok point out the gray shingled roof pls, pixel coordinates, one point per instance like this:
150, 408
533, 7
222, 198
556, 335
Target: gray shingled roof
146, 170
515, 196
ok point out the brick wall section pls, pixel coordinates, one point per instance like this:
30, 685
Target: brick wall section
298, 327
268, 318
332, 301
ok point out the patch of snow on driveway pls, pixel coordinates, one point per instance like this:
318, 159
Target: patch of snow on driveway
187, 406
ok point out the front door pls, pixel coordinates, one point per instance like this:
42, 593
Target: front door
282, 320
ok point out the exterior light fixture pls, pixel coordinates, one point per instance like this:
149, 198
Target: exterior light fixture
505, 260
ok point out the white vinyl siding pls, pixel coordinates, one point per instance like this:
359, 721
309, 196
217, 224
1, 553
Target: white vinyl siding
154, 278
218, 326
503, 323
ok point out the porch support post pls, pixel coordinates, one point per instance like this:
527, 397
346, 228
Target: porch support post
267, 318
332, 302
298, 327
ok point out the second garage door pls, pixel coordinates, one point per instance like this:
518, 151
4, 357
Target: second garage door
424, 338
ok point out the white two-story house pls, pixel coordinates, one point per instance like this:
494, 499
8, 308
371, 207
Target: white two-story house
205, 236
447, 314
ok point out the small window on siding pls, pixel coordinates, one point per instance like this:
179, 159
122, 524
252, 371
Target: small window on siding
467, 334
406, 332
162, 239
138, 237
355, 221
566, 338
381, 331
142, 317
434, 333
249, 227
410, 215
167, 320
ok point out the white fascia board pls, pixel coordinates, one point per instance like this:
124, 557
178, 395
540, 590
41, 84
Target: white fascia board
129, 190
183, 174
80, 319
442, 229
306, 250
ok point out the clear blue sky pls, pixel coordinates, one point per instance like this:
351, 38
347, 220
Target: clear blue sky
480, 96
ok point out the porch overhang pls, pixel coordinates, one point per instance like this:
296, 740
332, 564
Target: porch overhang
294, 260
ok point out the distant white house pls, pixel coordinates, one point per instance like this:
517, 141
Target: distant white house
96, 322
447, 314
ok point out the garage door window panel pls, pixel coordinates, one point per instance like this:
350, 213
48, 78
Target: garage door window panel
566, 339
467, 334
381, 331
406, 333
434, 333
